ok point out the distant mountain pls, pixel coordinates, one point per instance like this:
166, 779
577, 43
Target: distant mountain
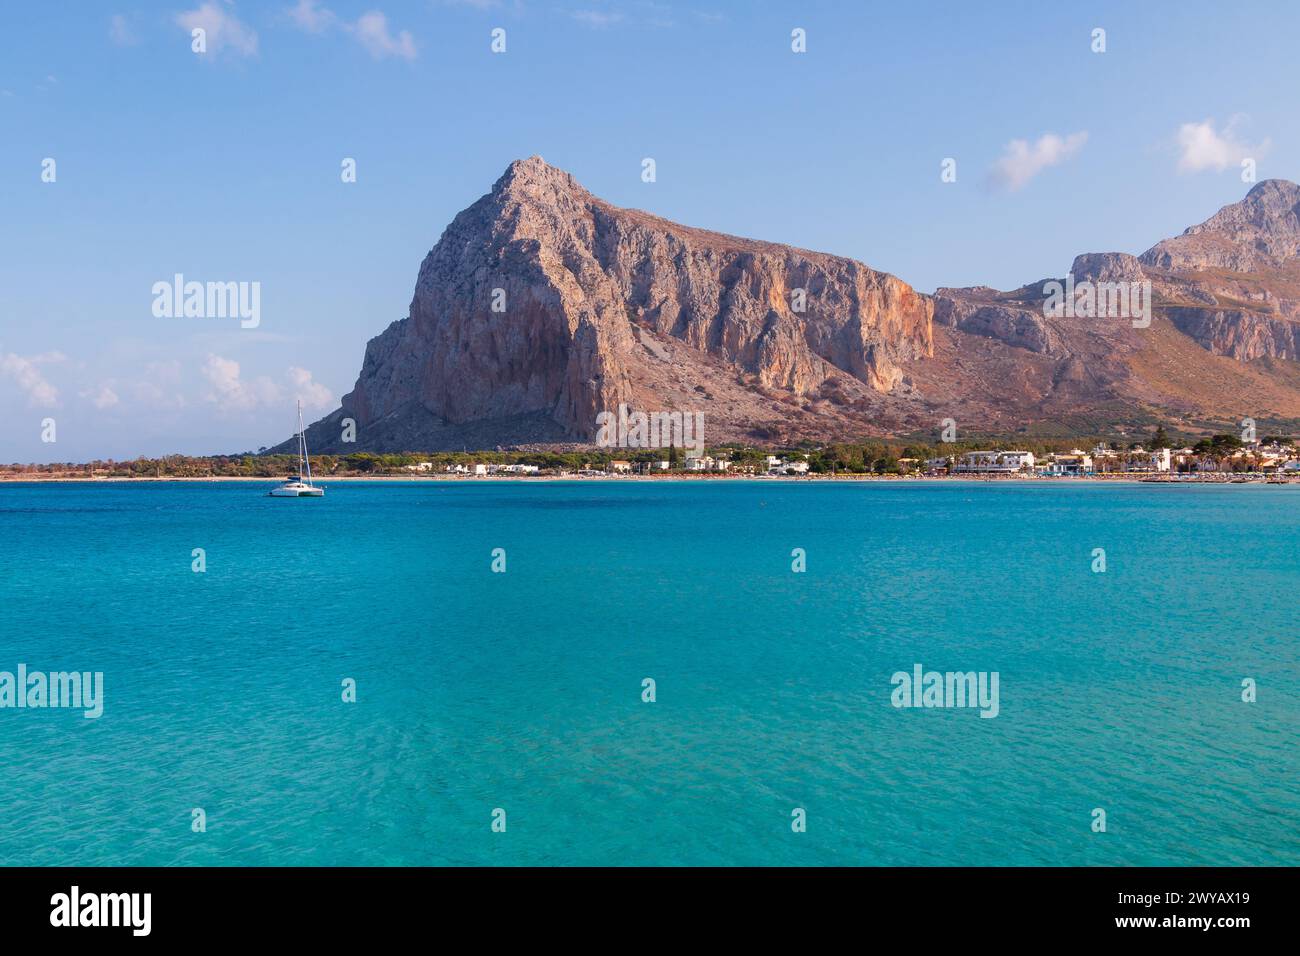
1260, 233
542, 306
1222, 344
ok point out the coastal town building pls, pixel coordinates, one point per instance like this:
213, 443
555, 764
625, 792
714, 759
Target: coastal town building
706, 463
1140, 460
781, 466
651, 467
995, 462
1076, 464
1105, 459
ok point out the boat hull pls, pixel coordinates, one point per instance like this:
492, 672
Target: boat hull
296, 493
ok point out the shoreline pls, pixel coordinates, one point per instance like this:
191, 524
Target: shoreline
526, 479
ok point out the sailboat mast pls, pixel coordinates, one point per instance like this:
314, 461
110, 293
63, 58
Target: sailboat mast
303, 460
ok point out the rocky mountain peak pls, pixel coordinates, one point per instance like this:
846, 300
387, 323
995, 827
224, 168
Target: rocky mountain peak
1274, 198
1270, 211
535, 179
542, 306
1261, 231
1106, 267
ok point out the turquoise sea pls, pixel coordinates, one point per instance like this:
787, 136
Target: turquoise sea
523, 690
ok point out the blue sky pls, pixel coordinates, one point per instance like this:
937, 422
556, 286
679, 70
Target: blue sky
225, 165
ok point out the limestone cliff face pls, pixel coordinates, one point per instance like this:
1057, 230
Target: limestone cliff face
507, 319
542, 305
1244, 336
1231, 280
1019, 325
530, 305
1106, 267
1224, 305
1261, 231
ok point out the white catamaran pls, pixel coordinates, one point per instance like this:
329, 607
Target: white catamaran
300, 487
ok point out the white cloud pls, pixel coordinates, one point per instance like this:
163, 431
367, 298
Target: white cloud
371, 30
26, 372
120, 32
224, 30
229, 389
101, 398
1202, 147
1021, 161
232, 392
309, 15
313, 394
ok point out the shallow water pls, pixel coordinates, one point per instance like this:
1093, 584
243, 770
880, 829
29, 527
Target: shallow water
478, 690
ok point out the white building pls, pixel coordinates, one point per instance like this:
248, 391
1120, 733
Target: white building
1074, 464
1141, 460
995, 462
781, 466
706, 463
1105, 458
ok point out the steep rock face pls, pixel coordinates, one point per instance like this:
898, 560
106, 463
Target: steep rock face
1016, 324
571, 276
1231, 281
1107, 267
1222, 295
1244, 336
1260, 231
505, 319
603, 306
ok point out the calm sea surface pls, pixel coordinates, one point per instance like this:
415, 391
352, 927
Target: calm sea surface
478, 690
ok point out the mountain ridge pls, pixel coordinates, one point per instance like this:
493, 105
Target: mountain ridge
542, 305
